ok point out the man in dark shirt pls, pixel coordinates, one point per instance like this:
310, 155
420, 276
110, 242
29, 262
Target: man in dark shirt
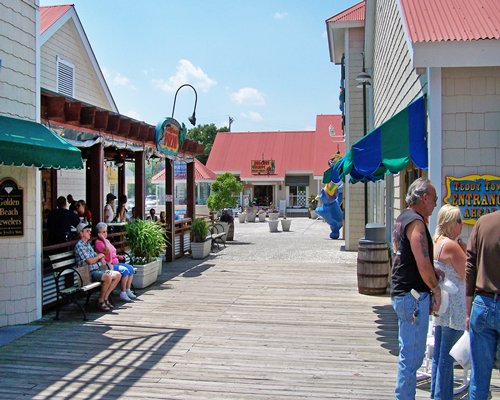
60, 221
482, 282
413, 278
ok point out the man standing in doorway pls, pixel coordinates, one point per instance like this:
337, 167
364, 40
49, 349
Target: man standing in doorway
413, 280
482, 282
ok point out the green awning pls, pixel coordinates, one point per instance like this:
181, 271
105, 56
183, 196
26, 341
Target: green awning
30, 144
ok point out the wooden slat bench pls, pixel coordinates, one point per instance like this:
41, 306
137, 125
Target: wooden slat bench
72, 282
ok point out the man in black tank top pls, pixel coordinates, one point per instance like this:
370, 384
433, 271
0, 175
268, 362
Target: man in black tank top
413, 280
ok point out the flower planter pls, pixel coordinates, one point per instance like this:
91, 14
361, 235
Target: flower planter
274, 216
273, 225
146, 274
285, 224
200, 250
251, 216
242, 217
160, 267
225, 226
314, 214
262, 217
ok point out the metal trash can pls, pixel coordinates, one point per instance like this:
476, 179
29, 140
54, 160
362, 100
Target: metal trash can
373, 261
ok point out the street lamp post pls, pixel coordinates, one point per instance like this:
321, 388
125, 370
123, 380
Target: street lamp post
364, 80
192, 118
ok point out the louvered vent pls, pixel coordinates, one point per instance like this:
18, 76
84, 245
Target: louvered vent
65, 78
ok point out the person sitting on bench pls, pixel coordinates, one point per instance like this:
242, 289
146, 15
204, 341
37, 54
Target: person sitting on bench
84, 253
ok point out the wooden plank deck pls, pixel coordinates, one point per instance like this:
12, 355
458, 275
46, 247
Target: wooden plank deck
241, 325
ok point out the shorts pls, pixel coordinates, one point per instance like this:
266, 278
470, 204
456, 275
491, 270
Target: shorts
97, 274
124, 269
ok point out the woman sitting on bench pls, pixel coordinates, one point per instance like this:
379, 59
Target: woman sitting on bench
103, 245
84, 253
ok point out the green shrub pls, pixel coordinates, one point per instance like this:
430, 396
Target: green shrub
147, 240
199, 230
222, 192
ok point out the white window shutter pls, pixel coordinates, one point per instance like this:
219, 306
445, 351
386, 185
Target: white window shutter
65, 77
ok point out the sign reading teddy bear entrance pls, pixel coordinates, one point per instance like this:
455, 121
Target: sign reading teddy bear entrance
11, 209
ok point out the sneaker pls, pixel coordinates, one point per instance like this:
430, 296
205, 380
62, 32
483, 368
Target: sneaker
124, 296
131, 294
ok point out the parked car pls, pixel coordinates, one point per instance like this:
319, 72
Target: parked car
151, 202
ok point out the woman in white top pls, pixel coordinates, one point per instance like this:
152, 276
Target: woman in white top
449, 257
109, 208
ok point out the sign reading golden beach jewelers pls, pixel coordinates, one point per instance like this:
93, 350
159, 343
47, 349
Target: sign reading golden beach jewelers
11, 209
262, 167
169, 136
475, 195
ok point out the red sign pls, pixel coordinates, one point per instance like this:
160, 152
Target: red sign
262, 167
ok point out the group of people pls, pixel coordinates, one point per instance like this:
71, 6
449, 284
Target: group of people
61, 221
98, 260
420, 265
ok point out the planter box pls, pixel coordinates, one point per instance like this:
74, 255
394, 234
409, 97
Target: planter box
262, 217
251, 216
200, 250
273, 225
242, 217
314, 214
273, 216
147, 274
285, 224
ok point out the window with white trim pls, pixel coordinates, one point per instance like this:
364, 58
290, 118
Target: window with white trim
65, 77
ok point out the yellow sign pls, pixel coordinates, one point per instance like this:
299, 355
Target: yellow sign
262, 167
475, 195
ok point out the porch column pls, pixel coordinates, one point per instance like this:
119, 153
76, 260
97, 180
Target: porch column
170, 208
122, 185
95, 182
139, 185
190, 183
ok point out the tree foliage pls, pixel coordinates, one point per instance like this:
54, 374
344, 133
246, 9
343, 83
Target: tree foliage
205, 134
222, 192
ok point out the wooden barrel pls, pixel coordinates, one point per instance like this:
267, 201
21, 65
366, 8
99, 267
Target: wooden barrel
373, 267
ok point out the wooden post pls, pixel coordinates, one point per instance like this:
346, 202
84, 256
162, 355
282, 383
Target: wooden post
140, 177
95, 182
190, 183
122, 185
170, 208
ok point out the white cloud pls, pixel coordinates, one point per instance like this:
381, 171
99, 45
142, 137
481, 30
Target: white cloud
122, 80
186, 73
253, 116
248, 96
135, 115
280, 15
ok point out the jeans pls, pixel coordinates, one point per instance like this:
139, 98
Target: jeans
413, 322
442, 362
484, 330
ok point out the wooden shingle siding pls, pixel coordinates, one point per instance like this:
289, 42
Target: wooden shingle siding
17, 52
66, 44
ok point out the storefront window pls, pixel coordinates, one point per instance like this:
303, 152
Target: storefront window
297, 196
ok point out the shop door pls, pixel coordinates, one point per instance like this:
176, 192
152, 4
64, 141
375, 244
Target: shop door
263, 195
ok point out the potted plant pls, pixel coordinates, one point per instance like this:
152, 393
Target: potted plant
313, 203
273, 225
200, 244
221, 196
285, 224
273, 213
251, 214
262, 215
227, 222
242, 217
147, 241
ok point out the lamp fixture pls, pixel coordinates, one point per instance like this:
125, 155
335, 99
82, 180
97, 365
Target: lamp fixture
192, 118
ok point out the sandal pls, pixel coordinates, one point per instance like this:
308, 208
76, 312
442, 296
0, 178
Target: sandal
103, 307
109, 304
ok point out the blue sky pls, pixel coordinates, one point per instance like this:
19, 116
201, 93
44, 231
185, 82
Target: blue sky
265, 63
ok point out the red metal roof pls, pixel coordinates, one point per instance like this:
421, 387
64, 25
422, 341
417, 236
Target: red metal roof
292, 152
354, 13
201, 173
50, 14
447, 20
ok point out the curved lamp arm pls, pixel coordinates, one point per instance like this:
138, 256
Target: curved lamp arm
192, 118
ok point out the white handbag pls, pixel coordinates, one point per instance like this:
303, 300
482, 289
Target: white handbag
461, 350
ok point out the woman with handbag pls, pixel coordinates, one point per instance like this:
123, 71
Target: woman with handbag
449, 257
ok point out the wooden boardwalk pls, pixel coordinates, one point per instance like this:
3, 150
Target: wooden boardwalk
229, 327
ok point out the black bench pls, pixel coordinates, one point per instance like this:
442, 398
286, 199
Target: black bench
217, 235
72, 282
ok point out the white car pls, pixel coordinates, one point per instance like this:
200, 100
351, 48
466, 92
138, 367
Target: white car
151, 202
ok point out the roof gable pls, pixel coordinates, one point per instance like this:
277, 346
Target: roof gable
354, 13
52, 18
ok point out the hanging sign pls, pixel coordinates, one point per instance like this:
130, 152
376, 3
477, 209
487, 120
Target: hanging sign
169, 136
475, 195
262, 167
180, 170
11, 209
